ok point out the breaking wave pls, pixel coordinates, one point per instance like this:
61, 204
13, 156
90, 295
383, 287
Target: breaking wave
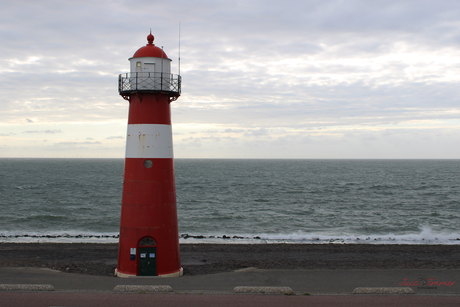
425, 236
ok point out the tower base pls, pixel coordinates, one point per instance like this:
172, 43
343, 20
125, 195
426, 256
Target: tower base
123, 275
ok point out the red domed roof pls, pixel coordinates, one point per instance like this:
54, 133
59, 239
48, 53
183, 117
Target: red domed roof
150, 50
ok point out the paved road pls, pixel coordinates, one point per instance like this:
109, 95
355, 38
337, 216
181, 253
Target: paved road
328, 288
15, 299
311, 281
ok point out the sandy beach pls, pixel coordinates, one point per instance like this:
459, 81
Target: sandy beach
199, 259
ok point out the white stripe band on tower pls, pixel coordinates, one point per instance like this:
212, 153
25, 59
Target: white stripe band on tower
149, 141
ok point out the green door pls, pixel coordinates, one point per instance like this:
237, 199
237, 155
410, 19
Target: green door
147, 261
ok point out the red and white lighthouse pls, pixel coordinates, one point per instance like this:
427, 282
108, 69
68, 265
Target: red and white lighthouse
149, 238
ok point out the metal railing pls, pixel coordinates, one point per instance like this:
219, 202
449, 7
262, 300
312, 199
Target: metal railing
149, 82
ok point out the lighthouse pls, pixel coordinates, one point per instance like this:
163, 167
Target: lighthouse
149, 238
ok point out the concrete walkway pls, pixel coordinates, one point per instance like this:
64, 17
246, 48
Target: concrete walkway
301, 281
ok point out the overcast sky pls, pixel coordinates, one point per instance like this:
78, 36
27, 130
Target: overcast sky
261, 79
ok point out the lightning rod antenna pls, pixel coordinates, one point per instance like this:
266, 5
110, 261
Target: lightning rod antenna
179, 50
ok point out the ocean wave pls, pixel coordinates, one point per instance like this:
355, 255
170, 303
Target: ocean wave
425, 236
58, 237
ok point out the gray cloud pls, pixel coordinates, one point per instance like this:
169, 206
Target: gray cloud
229, 130
210, 138
77, 143
49, 131
115, 137
257, 132
261, 32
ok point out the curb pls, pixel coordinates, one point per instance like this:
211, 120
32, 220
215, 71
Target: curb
26, 287
142, 288
245, 270
267, 290
123, 275
383, 290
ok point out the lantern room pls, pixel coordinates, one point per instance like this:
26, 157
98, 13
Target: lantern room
150, 59
150, 71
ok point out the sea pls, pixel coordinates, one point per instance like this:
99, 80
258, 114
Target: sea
246, 201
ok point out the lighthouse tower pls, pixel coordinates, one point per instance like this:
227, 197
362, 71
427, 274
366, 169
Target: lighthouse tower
149, 238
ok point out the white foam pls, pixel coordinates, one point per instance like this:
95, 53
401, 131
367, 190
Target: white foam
57, 237
425, 236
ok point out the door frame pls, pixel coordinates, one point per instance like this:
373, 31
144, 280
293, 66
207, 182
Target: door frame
152, 243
